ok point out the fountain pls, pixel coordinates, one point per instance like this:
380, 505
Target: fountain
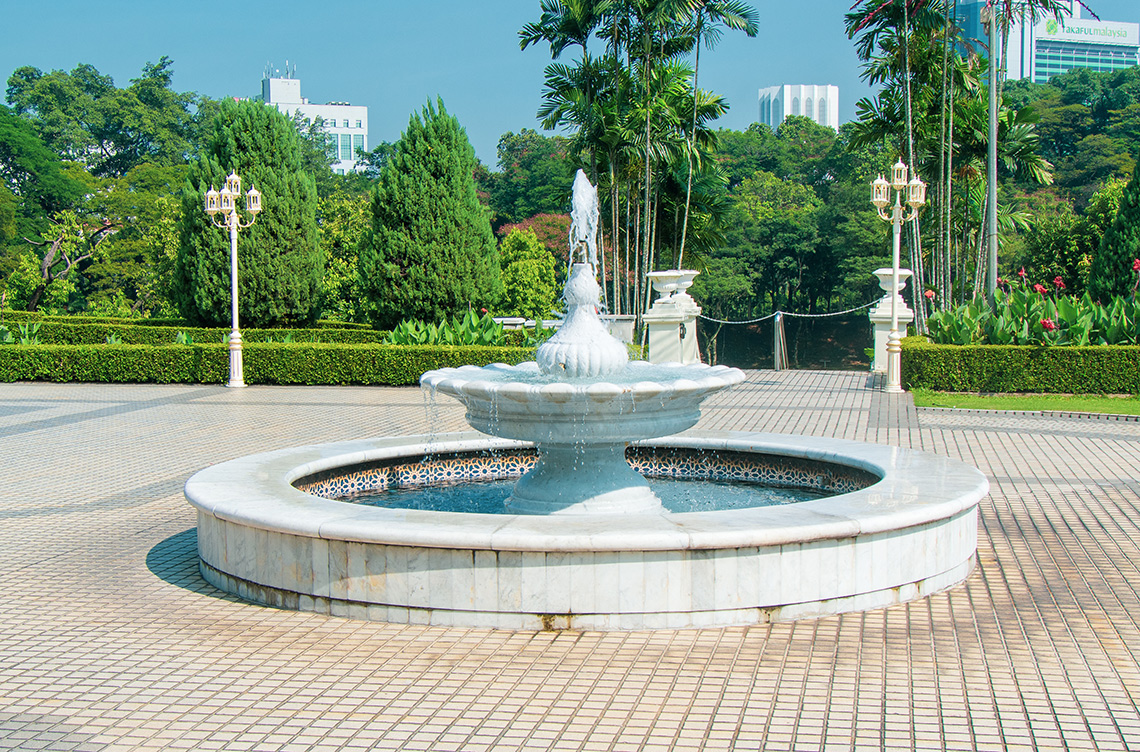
582, 541
582, 402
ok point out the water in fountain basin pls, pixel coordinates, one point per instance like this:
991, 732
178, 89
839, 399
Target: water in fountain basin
676, 496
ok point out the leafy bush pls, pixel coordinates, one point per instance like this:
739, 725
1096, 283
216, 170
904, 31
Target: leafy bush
1026, 317
275, 363
466, 330
1097, 369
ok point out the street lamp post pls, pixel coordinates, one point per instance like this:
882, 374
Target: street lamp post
881, 197
224, 202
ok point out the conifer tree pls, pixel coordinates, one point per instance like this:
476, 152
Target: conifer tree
528, 276
1112, 268
429, 252
279, 261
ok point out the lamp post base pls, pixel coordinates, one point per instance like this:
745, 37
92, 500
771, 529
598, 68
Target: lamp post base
894, 364
236, 376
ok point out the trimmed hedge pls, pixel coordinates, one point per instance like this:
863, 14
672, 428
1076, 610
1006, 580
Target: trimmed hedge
73, 333
1098, 369
274, 363
19, 317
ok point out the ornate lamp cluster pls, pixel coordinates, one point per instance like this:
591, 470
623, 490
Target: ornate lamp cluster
224, 202
915, 191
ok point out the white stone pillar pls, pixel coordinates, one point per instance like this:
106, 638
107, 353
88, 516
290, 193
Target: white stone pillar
672, 321
880, 315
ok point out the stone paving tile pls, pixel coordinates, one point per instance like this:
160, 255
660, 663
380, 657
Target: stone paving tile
110, 640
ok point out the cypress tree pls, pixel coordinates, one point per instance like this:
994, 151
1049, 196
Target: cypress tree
429, 252
1112, 272
280, 264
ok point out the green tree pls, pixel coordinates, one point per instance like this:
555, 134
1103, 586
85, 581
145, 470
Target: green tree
133, 270
429, 252
535, 177
31, 170
344, 218
528, 276
279, 260
1112, 272
774, 227
84, 117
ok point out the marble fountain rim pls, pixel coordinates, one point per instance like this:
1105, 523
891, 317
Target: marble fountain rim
915, 488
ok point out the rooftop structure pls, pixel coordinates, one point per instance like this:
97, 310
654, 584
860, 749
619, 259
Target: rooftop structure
1049, 47
820, 103
346, 123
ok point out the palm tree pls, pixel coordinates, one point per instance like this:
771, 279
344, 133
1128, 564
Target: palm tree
707, 18
886, 24
564, 24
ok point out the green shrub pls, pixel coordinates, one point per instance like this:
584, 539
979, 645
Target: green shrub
71, 333
1102, 369
275, 363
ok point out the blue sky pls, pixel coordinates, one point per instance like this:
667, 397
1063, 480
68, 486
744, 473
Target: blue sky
393, 56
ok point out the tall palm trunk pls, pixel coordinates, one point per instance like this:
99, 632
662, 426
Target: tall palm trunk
914, 230
691, 145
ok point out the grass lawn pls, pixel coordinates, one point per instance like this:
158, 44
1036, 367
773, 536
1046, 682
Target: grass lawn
1076, 403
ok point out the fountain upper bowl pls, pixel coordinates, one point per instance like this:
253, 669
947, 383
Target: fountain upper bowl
640, 401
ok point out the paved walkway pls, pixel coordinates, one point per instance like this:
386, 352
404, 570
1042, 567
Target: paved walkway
109, 640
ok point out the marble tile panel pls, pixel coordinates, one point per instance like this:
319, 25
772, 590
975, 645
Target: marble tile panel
486, 580
632, 577
510, 581
607, 580
558, 582
338, 570
582, 591
532, 582
419, 577
396, 585
356, 582
702, 570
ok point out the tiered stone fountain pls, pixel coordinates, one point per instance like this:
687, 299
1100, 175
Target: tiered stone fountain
583, 542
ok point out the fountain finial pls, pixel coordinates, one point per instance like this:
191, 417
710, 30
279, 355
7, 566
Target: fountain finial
582, 347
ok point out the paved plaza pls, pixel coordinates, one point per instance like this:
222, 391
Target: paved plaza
110, 640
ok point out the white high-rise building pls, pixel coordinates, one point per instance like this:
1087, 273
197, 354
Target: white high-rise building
1049, 47
346, 123
820, 103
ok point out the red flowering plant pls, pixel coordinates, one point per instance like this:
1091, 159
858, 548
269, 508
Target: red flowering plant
1032, 314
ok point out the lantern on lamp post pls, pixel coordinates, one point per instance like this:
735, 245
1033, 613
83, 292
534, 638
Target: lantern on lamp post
915, 191
224, 202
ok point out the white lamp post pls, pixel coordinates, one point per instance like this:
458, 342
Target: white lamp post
881, 197
225, 203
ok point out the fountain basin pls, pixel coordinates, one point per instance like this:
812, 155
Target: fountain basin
911, 533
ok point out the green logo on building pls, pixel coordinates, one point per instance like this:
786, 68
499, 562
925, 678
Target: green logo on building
1051, 26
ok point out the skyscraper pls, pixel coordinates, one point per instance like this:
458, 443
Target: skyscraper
1049, 47
820, 103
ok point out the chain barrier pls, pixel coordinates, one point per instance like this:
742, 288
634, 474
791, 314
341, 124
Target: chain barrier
785, 313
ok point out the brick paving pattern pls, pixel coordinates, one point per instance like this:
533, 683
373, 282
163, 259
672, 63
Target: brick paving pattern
109, 639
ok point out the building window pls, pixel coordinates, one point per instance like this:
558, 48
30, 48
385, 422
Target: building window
777, 113
345, 147
359, 124
795, 105
808, 111
357, 143
346, 123
822, 111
